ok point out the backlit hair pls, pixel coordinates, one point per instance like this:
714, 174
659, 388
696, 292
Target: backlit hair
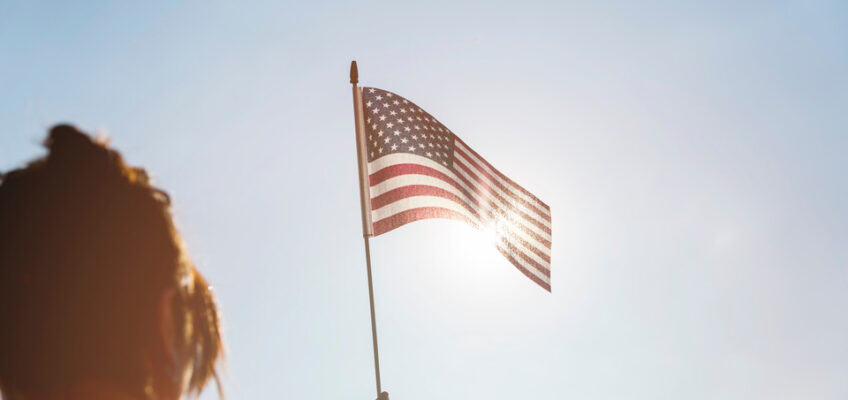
87, 247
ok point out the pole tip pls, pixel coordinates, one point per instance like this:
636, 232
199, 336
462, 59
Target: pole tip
354, 73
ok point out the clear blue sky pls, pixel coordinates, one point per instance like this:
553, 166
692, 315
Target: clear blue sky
693, 155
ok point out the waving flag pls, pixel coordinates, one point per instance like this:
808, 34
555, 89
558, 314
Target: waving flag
418, 169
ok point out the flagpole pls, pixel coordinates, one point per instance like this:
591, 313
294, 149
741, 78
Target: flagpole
366, 215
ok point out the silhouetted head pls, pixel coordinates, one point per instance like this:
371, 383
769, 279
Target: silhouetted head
95, 283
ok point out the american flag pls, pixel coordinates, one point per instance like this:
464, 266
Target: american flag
418, 169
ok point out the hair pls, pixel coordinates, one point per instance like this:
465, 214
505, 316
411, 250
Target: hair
87, 247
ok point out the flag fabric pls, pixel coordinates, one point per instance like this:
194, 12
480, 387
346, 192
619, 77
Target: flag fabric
418, 169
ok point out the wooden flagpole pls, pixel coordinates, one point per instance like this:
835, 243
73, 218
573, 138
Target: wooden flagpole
364, 198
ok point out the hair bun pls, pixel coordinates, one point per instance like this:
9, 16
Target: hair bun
67, 139
73, 150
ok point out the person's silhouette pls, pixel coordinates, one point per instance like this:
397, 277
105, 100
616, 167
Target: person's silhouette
98, 297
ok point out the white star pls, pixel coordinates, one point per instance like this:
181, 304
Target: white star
403, 140
375, 110
372, 154
429, 154
389, 95
411, 148
393, 112
380, 150
387, 140
400, 120
417, 127
385, 105
389, 125
409, 118
379, 97
431, 144
368, 104
370, 90
397, 133
394, 147
380, 133
405, 101
414, 137
383, 118
396, 102
406, 128
421, 145
403, 110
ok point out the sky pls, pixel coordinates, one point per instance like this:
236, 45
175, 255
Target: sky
692, 154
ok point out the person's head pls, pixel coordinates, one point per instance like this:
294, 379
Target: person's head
95, 283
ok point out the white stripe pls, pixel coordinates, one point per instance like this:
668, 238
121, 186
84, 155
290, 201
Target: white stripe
508, 231
414, 179
399, 181
507, 207
530, 253
508, 215
406, 158
511, 229
532, 214
497, 176
410, 203
417, 202
526, 266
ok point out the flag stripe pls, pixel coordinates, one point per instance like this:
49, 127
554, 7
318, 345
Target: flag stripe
479, 196
529, 196
482, 179
400, 199
468, 177
528, 262
394, 175
407, 164
419, 190
420, 202
415, 214
528, 206
545, 285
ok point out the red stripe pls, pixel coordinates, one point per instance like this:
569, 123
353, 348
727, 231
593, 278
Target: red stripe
523, 270
478, 185
539, 267
482, 171
504, 177
418, 190
406, 169
424, 190
404, 217
488, 207
415, 169
518, 224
